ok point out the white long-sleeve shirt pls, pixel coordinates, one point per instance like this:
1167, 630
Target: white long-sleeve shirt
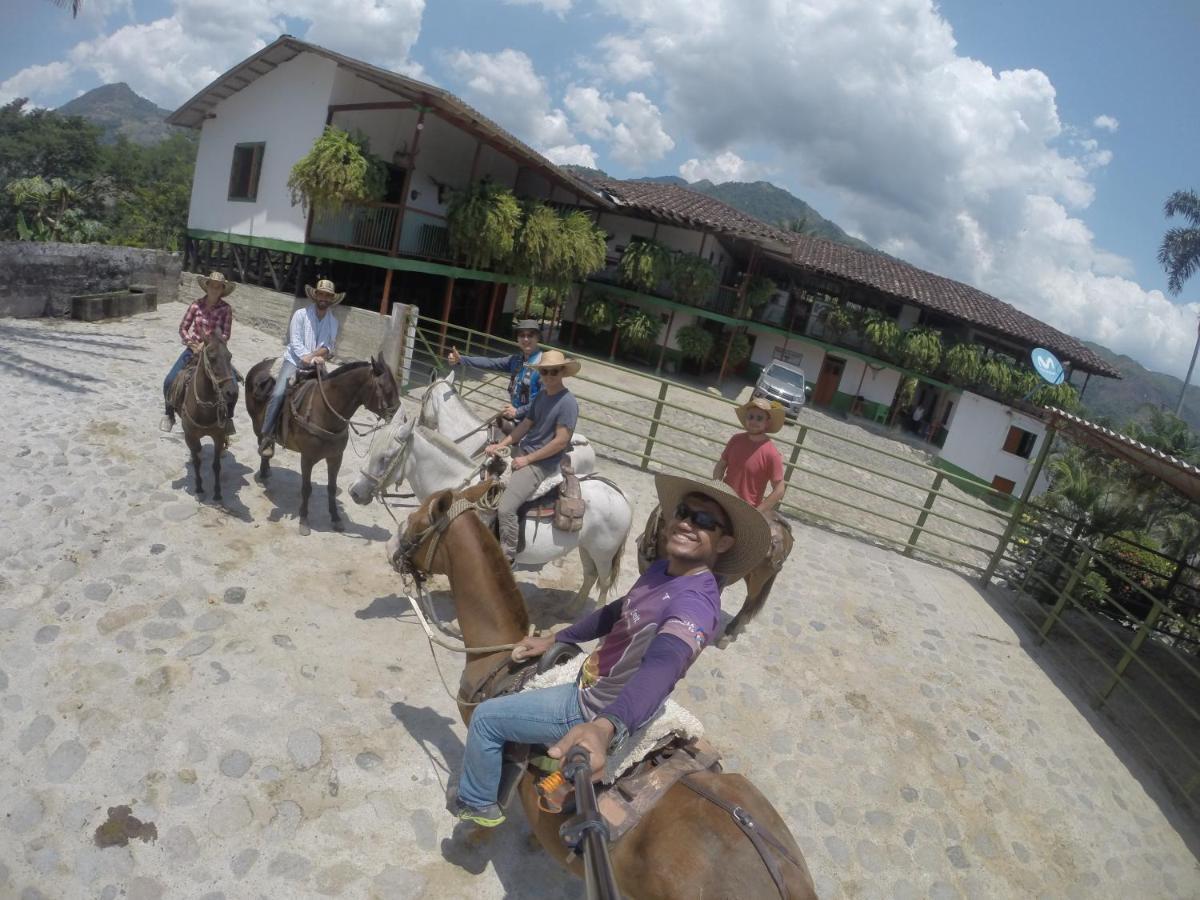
308, 333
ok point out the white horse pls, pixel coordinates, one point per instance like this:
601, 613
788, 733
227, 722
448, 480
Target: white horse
444, 410
430, 462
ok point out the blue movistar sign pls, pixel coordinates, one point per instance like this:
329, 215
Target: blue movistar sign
1046, 364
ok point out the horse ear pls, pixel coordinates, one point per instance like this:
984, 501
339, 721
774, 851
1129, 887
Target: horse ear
441, 503
377, 364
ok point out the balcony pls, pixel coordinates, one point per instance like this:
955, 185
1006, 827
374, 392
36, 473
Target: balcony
372, 227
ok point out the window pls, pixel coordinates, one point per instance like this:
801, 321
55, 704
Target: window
1019, 442
243, 174
1003, 485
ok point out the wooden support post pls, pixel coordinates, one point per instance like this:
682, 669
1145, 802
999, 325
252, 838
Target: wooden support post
658, 411
387, 293
612, 351
575, 323
446, 301
1019, 509
920, 526
497, 288
791, 466
666, 340
271, 268
1081, 566
475, 161
1143, 632
408, 174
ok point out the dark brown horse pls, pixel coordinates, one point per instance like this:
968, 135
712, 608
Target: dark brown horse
652, 545
316, 419
685, 846
208, 386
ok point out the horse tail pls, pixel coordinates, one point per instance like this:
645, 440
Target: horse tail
614, 570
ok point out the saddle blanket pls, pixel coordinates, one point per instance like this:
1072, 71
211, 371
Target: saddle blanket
671, 719
277, 367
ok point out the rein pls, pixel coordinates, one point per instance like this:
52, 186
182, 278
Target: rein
216, 383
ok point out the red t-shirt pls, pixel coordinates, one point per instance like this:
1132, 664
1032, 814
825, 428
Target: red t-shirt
749, 466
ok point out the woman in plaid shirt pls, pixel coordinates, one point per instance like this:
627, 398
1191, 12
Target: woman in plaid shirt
207, 315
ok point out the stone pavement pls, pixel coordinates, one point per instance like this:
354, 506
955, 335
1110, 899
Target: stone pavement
198, 702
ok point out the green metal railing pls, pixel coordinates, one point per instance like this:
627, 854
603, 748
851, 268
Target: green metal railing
665, 426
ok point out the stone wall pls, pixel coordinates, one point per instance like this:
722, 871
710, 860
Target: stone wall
40, 278
360, 331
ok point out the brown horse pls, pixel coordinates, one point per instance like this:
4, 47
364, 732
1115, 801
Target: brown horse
652, 545
208, 387
686, 846
316, 419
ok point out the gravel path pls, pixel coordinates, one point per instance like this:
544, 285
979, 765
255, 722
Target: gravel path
198, 702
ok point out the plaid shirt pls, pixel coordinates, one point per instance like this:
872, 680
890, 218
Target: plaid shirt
200, 321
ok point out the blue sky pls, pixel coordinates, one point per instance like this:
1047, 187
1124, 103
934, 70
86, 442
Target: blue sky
1024, 147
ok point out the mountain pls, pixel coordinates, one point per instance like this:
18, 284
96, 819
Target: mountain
119, 111
1126, 399
769, 203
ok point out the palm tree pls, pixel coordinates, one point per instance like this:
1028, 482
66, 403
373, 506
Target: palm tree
74, 4
1180, 256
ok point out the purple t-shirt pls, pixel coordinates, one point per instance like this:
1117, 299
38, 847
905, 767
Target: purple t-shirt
685, 607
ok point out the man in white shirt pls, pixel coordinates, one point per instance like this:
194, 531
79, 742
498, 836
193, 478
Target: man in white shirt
312, 337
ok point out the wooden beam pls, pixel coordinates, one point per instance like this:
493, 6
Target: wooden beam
408, 174
387, 293
662, 353
379, 104
496, 289
475, 160
446, 303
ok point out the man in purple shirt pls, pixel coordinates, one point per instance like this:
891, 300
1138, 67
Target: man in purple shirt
648, 639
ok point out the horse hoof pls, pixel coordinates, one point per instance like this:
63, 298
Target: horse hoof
305, 531
724, 642
339, 525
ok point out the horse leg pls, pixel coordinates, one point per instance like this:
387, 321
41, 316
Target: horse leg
306, 467
193, 445
758, 588
218, 449
590, 574
331, 467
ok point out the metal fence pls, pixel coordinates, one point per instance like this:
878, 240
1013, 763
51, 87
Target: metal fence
856, 483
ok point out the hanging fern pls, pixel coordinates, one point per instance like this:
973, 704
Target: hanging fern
597, 312
759, 289
482, 222
695, 343
639, 329
998, 375
1025, 383
692, 278
964, 364
537, 244
644, 264
584, 246
1064, 396
339, 169
883, 334
836, 319
921, 350
739, 348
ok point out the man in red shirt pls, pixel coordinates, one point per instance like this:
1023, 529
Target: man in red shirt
750, 462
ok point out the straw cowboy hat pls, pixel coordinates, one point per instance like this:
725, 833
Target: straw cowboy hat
527, 325
227, 287
554, 359
751, 531
324, 285
770, 407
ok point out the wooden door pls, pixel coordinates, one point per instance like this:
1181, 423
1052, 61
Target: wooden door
830, 378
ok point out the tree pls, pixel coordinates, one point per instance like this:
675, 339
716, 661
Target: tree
53, 211
74, 4
1180, 250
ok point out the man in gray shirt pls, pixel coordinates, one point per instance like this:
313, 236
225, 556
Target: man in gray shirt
542, 438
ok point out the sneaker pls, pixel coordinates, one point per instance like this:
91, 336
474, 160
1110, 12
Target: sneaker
166, 423
488, 817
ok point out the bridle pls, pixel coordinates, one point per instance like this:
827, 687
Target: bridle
205, 366
405, 560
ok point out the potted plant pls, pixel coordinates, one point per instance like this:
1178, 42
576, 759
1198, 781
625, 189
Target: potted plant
921, 350
836, 319
759, 289
337, 170
964, 364
692, 278
883, 334
644, 264
482, 222
695, 345
739, 350
597, 312
639, 329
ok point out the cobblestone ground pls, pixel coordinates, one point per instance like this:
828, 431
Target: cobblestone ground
263, 706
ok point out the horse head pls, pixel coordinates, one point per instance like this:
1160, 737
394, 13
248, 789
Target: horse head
384, 462
218, 363
413, 549
384, 398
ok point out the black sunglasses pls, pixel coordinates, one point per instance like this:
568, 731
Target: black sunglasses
556, 370
705, 521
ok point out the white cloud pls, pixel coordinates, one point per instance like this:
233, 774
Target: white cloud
573, 155
509, 90
632, 125
36, 83
727, 166
623, 59
559, 7
934, 156
170, 58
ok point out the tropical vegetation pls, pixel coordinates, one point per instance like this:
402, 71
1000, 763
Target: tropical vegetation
695, 343
644, 264
338, 170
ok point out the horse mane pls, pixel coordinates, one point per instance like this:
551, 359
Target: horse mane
445, 444
496, 565
348, 367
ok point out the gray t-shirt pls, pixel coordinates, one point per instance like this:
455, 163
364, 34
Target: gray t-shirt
547, 412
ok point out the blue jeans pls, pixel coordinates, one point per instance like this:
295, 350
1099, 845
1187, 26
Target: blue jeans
530, 717
271, 419
184, 358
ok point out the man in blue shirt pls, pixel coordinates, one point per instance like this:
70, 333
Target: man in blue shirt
523, 381
542, 439
312, 338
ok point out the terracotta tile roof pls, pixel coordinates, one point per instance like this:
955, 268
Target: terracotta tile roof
873, 270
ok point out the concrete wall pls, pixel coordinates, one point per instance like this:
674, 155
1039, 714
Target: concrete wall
360, 331
879, 383
808, 357
285, 109
977, 430
40, 278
